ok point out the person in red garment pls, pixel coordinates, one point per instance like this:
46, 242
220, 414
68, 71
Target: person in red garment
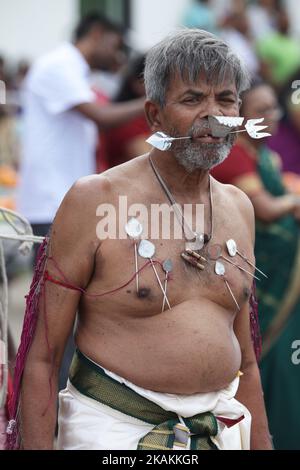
254, 168
125, 142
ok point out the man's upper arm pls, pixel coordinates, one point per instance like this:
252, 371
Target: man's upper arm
72, 247
242, 326
242, 331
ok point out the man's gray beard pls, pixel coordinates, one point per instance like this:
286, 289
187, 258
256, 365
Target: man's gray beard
205, 156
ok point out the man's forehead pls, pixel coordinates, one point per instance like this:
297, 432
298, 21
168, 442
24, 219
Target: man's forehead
203, 84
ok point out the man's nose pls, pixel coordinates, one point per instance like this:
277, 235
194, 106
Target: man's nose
212, 108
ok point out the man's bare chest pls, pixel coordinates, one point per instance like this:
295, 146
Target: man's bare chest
126, 280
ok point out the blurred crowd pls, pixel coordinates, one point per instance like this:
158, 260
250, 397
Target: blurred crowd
60, 123
257, 31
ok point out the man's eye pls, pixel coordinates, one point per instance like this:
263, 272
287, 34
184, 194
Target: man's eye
228, 100
193, 99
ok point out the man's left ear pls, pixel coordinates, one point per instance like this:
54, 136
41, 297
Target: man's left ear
152, 111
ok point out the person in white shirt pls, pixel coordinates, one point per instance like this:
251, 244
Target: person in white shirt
61, 118
262, 17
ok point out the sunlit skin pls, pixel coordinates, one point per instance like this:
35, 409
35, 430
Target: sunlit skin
202, 342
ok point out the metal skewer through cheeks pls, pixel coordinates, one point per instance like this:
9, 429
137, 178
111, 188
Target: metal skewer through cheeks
220, 126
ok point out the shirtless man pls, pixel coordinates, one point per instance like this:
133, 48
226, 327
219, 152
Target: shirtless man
189, 354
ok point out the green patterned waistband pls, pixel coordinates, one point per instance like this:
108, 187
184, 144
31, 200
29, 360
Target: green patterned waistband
92, 381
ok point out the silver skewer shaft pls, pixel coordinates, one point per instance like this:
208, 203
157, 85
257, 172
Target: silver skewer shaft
251, 264
240, 267
136, 267
159, 282
171, 139
231, 293
165, 294
236, 132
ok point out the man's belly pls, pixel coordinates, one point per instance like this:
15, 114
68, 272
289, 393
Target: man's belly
188, 349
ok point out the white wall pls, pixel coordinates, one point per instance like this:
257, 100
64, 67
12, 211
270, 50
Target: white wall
153, 19
29, 28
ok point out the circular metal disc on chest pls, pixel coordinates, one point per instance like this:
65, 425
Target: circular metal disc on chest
134, 228
146, 249
167, 266
219, 268
231, 247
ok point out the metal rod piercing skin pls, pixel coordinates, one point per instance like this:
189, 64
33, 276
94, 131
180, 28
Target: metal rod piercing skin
165, 289
147, 250
160, 284
220, 271
239, 267
232, 251
231, 293
136, 267
220, 126
251, 264
167, 267
134, 229
171, 139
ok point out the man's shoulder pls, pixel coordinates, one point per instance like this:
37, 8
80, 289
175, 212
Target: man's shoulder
128, 172
88, 189
104, 186
77, 213
236, 197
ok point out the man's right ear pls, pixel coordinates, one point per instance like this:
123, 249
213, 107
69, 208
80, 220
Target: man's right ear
152, 111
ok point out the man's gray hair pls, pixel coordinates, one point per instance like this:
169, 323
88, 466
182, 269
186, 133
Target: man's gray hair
190, 52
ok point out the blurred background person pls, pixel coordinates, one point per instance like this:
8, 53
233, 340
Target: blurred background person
255, 169
9, 156
2, 69
286, 141
9, 141
235, 31
128, 140
200, 14
61, 117
262, 17
278, 52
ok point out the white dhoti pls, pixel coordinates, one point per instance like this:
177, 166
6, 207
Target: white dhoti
86, 424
